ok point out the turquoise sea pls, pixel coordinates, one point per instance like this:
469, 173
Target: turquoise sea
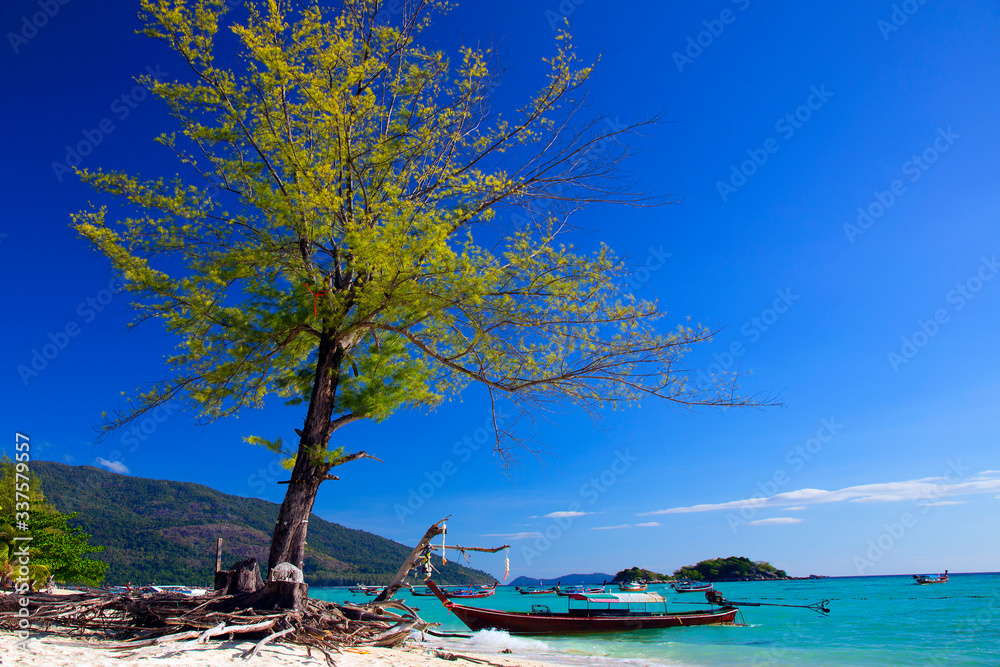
874, 621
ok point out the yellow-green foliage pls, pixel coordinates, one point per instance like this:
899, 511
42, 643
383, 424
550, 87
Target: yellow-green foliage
343, 183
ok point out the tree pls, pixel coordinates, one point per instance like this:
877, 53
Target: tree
358, 231
55, 547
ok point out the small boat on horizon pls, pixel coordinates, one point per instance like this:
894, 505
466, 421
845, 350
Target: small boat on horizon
931, 578
529, 590
601, 612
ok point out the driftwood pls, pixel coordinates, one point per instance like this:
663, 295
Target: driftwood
148, 622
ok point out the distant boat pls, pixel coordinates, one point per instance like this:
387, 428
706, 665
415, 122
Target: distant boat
632, 587
932, 578
373, 590
528, 590
578, 590
601, 612
469, 593
422, 592
691, 587
185, 590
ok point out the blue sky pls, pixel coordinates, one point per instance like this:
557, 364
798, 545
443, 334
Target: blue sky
835, 172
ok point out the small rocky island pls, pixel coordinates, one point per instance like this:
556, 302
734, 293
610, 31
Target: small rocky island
734, 568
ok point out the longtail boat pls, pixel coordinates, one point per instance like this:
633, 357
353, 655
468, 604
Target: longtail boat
468, 593
632, 587
692, 587
600, 612
535, 591
932, 578
421, 592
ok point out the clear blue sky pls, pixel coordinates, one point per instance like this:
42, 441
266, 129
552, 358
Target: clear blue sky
836, 171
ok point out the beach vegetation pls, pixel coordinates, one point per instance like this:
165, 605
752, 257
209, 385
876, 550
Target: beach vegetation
55, 548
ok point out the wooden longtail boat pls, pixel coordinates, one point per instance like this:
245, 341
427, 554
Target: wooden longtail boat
422, 592
469, 593
691, 587
535, 591
603, 612
932, 578
632, 587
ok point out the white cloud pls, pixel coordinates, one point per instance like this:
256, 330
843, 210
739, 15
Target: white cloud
624, 525
113, 466
566, 515
796, 508
68, 459
944, 503
514, 536
649, 524
990, 472
774, 521
923, 491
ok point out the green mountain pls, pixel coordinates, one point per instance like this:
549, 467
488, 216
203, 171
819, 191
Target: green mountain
164, 532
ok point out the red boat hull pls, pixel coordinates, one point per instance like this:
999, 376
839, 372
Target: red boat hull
524, 623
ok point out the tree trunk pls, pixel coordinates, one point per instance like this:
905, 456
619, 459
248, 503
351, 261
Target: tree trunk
289, 540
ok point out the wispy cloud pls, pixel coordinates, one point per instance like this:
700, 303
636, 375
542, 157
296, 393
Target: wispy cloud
566, 514
624, 525
775, 521
928, 489
68, 459
515, 536
649, 524
113, 466
796, 508
944, 503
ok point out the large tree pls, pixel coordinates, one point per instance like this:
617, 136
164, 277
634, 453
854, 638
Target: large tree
358, 230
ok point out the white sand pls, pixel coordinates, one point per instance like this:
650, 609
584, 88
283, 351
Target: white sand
54, 651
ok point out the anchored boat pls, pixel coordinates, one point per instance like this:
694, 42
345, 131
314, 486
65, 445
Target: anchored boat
932, 578
594, 612
692, 587
632, 587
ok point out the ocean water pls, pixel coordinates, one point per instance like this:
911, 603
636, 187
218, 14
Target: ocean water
873, 621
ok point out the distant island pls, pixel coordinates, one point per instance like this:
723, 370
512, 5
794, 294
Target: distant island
734, 568
159, 531
566, 580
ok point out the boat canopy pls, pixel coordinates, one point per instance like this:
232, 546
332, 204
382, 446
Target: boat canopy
619, 597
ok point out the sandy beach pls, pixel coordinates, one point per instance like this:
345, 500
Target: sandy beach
49, 650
